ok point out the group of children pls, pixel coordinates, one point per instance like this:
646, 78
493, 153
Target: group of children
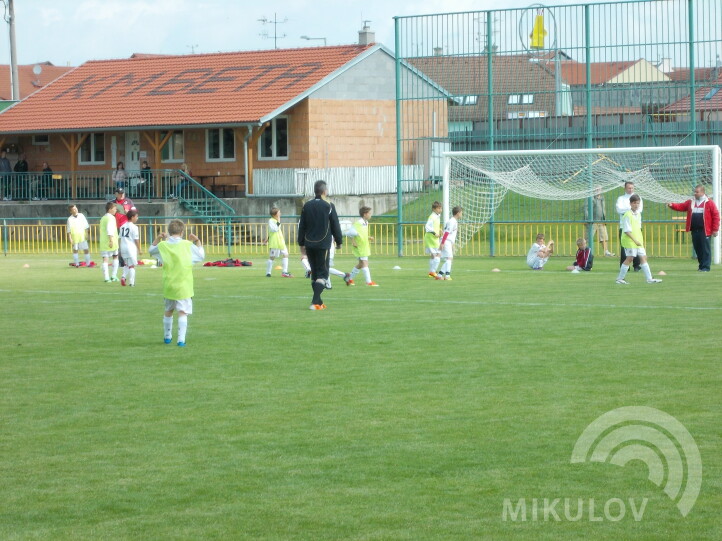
178, 255
632, 242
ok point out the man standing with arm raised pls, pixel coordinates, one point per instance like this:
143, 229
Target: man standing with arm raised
317, 229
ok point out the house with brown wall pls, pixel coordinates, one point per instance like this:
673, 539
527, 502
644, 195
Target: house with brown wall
226, 115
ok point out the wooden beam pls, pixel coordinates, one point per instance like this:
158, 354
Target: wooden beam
157, 143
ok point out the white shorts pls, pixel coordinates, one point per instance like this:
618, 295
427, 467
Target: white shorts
635, 252
433, 252
130, 260
365, 258
277, 252
538, 262
80, 246
447, 250
183, 305
109, 254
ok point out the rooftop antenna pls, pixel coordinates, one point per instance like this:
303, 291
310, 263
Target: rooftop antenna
275, 22
37, 70
192, 48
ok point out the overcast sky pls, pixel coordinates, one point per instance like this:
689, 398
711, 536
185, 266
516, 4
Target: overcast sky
70, 32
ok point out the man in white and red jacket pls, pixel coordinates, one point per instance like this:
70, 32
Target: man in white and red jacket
702, 221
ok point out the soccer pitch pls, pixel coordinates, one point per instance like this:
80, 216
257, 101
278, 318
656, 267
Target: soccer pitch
416, 410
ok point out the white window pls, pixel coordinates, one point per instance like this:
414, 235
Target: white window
41, 139
273, 144
92, 151
173, 150
220, 145
521, 99
467, 100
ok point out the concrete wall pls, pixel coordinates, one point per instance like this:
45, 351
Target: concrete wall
255, 207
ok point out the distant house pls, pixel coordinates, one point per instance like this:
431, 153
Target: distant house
617, 87
708, 104
31, 77
521, 86
226, 115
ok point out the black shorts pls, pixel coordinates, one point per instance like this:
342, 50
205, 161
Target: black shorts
318, 260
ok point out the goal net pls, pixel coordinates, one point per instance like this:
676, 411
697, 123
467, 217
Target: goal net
479, 181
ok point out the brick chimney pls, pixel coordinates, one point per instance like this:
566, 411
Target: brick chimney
366, 36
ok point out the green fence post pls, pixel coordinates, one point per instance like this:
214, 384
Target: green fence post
490, 105
228, 236
399, 155
5, 237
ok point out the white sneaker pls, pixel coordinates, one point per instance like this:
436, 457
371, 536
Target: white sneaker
575, 271
621, 281
609, 254
654, 281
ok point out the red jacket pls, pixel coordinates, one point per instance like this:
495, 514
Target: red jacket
710, 216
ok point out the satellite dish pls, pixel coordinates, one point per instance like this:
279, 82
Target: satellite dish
37, 69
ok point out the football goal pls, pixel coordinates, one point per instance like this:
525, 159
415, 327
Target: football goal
478, 181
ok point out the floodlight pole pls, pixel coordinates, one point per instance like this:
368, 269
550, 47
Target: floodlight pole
13, 53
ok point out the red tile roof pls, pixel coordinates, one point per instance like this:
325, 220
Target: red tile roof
575, 73
713, 102
29, 81
170, 91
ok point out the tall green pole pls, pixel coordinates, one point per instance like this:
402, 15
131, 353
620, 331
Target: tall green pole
490, 108
590, 138
399, 156
692, 82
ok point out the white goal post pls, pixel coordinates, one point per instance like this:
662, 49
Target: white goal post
478, 181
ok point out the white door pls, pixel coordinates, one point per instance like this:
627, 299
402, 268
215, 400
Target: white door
132, 152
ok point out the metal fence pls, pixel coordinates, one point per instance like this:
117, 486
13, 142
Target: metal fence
150, 184
603, 75
248, 240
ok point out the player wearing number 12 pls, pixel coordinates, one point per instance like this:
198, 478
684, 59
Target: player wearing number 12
129, 247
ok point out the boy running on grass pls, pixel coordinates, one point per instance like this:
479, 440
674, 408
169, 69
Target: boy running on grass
359, 234
633, 242
447, 243
432, 230
177, 256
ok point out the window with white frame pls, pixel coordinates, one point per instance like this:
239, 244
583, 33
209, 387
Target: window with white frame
43, 139
521, 99
92, 151
220, 145
273, 144
173, 150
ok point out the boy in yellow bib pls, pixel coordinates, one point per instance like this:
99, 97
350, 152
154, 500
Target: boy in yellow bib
178, 256
77, 229
108, 230
432, 231
633, 242
360, 238
276, 244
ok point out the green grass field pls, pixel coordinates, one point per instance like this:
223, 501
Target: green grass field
411, 411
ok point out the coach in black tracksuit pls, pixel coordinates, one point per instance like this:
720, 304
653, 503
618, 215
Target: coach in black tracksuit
317, 228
